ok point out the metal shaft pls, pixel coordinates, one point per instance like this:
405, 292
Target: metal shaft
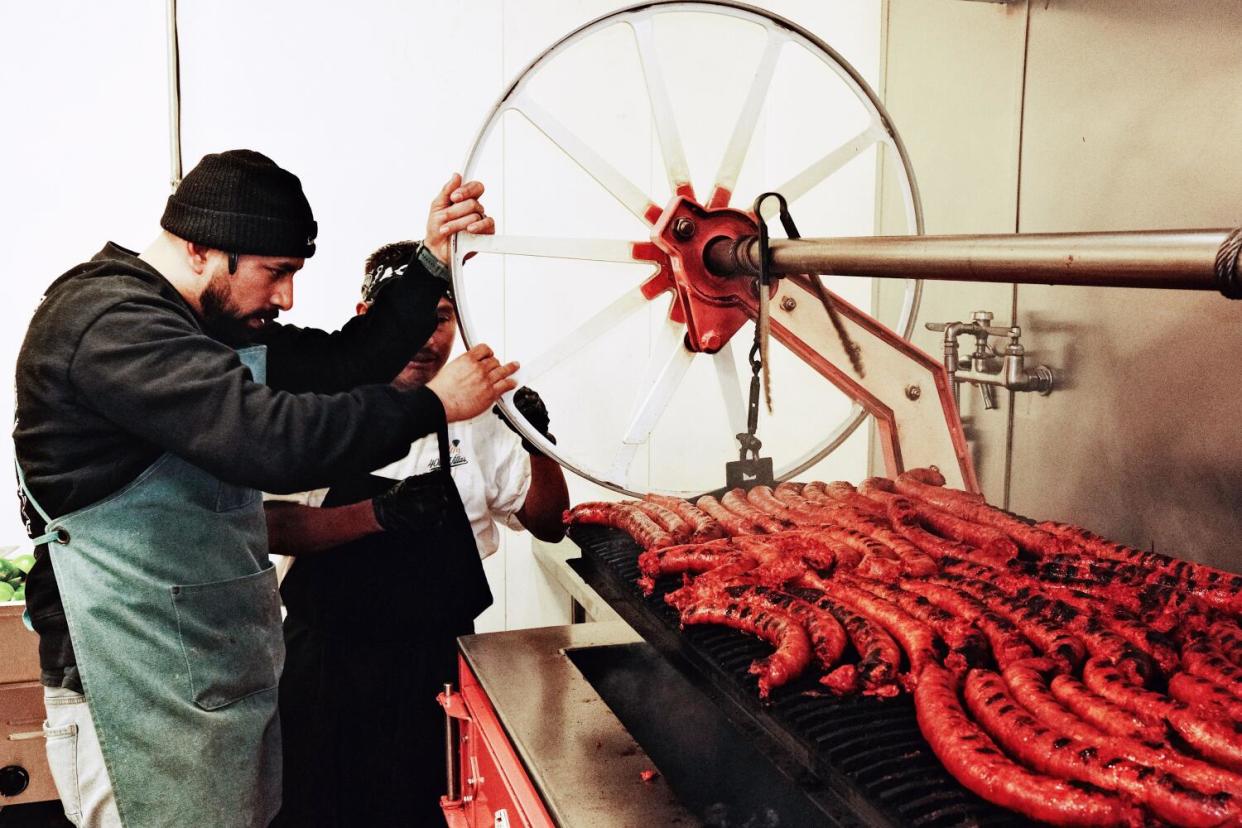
452, 790
1177, 259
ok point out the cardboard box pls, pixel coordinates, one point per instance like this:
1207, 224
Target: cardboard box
21, 740
19, 647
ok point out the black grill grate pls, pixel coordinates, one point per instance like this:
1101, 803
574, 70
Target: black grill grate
869, 750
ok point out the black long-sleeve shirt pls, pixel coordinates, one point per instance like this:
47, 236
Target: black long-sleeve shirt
115, 370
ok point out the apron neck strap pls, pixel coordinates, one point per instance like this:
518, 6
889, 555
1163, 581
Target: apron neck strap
442, 434
21, 482
49, 534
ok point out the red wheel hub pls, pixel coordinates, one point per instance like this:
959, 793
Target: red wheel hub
711, 306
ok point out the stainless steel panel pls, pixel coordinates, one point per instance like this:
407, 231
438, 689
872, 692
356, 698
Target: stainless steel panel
1130, 122
583, 761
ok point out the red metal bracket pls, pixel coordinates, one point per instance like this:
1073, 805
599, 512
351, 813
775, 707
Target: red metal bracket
714, 308
454, 705
496, 780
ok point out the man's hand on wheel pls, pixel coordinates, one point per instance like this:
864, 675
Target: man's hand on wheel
470, 383
456, 208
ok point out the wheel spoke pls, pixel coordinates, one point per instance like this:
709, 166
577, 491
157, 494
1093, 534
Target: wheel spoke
619, 469
730, 387
671, 368
596, 250
669, 336
665, 372
675, 164
803, 182
620, 309
744, 129
608, 176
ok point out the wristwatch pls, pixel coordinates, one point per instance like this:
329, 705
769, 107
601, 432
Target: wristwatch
433, 265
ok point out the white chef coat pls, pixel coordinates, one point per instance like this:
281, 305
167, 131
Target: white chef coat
489, 466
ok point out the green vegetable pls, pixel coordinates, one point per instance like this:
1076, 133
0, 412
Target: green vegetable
7, 592
20, 594
24, 562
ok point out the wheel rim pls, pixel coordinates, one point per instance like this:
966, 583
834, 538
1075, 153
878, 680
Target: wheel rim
669, 363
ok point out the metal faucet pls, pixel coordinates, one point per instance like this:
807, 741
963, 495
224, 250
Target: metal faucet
977, 367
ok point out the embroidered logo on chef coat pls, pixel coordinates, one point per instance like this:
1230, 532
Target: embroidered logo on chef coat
456, 458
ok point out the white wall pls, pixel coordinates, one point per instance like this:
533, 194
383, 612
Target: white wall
84, 143
373, 105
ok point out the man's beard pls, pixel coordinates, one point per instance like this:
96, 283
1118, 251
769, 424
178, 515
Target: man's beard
222, 320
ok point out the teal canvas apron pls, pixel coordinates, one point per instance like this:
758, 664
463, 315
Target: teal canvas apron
174, 616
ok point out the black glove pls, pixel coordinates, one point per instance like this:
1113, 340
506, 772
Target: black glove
412, 506
420, 263
530, 405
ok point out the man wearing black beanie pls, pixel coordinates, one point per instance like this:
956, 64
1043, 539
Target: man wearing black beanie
143, 438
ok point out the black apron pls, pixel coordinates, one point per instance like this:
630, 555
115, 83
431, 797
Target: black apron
371, 638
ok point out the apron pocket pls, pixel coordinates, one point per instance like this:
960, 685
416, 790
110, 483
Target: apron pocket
230, 636
230, 497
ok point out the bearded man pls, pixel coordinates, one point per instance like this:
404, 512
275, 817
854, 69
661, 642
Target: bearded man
143, 440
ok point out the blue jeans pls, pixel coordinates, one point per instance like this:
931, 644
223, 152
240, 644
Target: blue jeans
76, 761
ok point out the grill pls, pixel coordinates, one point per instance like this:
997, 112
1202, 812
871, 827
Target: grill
868, 751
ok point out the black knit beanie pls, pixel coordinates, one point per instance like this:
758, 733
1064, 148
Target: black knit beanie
240, 201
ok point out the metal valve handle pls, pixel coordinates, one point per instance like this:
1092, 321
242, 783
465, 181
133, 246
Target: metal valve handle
941, 327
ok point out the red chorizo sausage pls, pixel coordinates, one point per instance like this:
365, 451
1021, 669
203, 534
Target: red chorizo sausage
735, 501
732, 523
1050, 750
967, 644
1005, 641
991, 541
1204, 696
913, 560
905, 520
1213, 587
761, 498
782, 631
1226, 636
667, 519
645, 531
878, 654
845, 494
1028, 537
800, 546
917, 639
690, 557
1214, 738
1028, 681
1200, 659
974, 760
1055, 641
703, 526
827, 636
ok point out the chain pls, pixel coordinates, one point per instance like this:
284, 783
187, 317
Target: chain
763, 327
761, 374
748, 441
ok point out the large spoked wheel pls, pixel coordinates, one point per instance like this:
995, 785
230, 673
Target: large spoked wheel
573, 286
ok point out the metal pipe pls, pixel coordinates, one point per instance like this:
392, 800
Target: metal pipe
452, 789
174, 94
1177, 259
